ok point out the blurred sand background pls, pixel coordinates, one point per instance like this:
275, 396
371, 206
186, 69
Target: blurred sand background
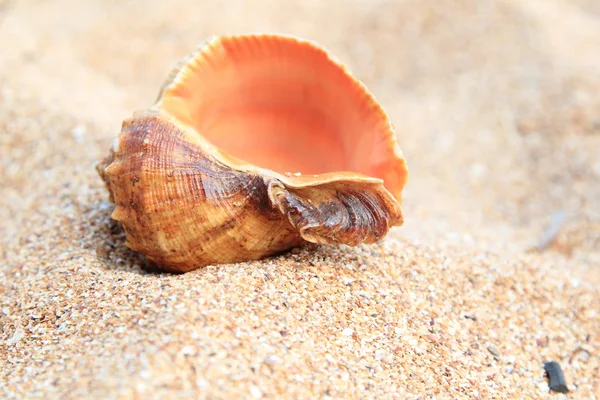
497, 108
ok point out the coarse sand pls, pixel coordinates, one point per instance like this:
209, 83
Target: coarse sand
497, 107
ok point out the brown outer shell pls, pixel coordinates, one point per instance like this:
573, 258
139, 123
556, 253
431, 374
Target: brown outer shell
186, 204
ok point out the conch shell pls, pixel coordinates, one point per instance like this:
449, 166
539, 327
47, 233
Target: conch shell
256, 144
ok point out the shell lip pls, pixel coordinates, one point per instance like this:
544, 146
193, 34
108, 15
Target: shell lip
291, 179
213, 40
298, 180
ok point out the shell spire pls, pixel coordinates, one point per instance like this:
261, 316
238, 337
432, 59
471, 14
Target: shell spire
256, 144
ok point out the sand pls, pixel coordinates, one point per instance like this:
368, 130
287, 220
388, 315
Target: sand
497, 108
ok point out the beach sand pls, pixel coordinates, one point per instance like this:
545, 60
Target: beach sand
497, 108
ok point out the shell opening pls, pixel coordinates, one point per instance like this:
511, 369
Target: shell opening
284, 104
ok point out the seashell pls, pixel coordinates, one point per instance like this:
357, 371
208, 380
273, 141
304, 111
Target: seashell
256, 144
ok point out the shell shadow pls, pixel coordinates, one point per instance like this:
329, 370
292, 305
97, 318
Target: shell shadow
113, 254
111, 250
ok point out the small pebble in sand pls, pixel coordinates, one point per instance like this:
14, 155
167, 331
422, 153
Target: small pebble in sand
18, 335
494, 351
556, 377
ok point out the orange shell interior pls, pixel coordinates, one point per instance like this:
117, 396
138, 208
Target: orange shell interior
284, 104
